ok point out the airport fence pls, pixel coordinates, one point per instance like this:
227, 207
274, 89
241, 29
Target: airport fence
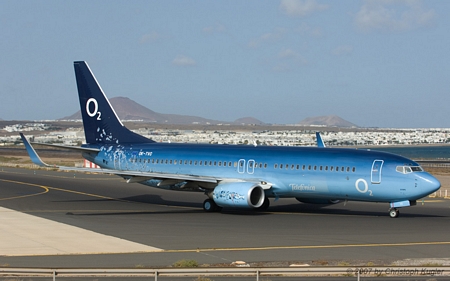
233, 272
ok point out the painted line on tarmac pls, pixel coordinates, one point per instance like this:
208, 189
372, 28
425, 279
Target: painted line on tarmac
107, 177
46, 189
309, 247
49, 188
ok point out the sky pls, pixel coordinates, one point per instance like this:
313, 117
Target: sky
381, 63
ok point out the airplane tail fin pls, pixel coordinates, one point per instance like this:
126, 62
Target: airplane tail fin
101, 123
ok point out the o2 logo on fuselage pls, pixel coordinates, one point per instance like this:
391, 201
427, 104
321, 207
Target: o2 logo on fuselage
364, 188
94, 112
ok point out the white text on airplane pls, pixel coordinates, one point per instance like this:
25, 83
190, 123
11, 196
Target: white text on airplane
302, 187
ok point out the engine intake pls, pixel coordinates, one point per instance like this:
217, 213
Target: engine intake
239, 195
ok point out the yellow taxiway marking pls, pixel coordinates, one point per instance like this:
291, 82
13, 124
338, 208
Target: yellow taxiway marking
311, 247
46, 189
70, 175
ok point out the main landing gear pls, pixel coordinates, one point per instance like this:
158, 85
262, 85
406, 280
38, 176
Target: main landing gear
394, 212
210, 206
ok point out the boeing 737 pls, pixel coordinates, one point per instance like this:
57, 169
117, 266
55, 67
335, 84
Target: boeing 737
242, 176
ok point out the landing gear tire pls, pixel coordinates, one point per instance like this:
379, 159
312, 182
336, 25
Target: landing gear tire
210, 206
393, 213
265, 205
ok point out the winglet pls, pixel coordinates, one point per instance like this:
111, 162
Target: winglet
319, 140
32, 153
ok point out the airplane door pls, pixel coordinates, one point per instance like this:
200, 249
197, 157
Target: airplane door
250, 166
241, 166
377, 166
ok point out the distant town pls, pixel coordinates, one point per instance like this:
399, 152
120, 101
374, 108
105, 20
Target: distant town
72, 134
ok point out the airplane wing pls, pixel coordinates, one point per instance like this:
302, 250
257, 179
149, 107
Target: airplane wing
38, 161
136, 176
131, 176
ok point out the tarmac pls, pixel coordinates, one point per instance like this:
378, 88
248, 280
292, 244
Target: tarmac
57, 219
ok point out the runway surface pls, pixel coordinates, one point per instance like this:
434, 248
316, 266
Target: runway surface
155, 228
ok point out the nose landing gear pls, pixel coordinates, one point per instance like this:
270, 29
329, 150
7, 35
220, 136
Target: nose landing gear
394, 212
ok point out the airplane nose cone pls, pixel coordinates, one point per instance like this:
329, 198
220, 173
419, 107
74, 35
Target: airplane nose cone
430, 184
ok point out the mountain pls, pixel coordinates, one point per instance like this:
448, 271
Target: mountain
128, 109
328, 121
248, 121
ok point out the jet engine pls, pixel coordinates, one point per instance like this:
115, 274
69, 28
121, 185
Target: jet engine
317, 200
239, 195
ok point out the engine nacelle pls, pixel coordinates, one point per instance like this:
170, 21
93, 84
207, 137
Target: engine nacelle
239, 195
317, 201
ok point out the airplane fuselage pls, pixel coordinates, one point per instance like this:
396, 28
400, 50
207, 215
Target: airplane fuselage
306, 173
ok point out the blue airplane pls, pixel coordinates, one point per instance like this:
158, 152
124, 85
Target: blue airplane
237, 176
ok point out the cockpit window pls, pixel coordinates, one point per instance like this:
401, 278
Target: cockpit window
416, 169
408, 169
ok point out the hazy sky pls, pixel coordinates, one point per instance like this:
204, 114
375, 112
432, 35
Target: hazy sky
374, 63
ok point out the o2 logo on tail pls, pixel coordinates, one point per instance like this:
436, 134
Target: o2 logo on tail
95, 112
